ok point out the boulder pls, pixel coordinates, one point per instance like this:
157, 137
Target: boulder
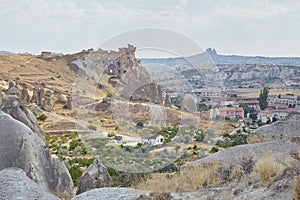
62, 98
96, 176
111, 194
16, 185
20, 147
14, 106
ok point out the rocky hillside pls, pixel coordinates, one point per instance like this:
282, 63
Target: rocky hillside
234, 70
62, 85
286, 129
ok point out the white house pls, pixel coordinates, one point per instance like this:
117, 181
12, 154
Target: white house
265, 116
152, 139
214, 112
282, 113
269, 115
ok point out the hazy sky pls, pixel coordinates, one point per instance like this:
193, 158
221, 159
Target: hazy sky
245, 27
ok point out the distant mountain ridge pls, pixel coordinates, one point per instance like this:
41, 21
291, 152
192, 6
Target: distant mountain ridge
211, 56
235, 59
6, 52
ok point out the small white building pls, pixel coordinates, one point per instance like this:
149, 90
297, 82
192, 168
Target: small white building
152, 139
265, 116
214, 112
281, 114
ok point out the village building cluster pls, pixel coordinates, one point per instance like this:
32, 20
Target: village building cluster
232, 106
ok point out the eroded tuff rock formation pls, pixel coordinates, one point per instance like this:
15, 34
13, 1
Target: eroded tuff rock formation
13, 105
22, 148
40, 95
96, 176
122, 70
16, 185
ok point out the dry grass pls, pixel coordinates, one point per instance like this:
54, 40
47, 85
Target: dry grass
187, 180
267, 169
190, 179
296, 188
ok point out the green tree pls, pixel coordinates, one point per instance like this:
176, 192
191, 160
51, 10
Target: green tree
139, 124
263, 98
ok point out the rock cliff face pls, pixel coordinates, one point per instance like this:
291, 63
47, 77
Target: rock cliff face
96, 176
120, 69
22, 148
258, 72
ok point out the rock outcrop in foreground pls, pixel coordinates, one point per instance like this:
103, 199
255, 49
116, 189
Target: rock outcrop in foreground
16, 185
246, 188
277, 150
14, 106
96, 176
111, 193
21, 147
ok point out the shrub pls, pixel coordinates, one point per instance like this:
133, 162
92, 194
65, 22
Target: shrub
73, 145
247, 165
112, 171
82, 162
92, 127
200, 137
34, 113
129, 149
139, 145
75, 172
214, 150
232, 140
110, 135
169, 168
139, 124
62, 150
42, 117
47, 137
225, 172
